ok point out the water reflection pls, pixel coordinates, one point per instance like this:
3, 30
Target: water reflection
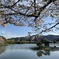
2, 49
45, 50
29, 51
41, 53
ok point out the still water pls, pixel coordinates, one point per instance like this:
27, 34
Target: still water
25, 51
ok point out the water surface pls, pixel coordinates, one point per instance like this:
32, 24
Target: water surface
25, 51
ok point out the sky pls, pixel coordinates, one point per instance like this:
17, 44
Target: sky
17, 31
14, 31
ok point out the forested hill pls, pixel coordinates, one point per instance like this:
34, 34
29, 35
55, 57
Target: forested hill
49, 37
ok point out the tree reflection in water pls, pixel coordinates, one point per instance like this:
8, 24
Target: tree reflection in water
43, 50
2, 49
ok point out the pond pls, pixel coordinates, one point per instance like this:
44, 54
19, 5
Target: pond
25, 51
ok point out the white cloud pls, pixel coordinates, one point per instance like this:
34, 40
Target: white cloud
8, 34
52, 33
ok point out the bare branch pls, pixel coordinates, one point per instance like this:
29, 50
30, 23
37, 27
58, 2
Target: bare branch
49, 28
11, 5
42, 8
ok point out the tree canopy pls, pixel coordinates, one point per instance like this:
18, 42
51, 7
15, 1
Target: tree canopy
30, 13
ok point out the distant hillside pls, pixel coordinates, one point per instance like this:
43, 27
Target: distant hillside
49, 37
